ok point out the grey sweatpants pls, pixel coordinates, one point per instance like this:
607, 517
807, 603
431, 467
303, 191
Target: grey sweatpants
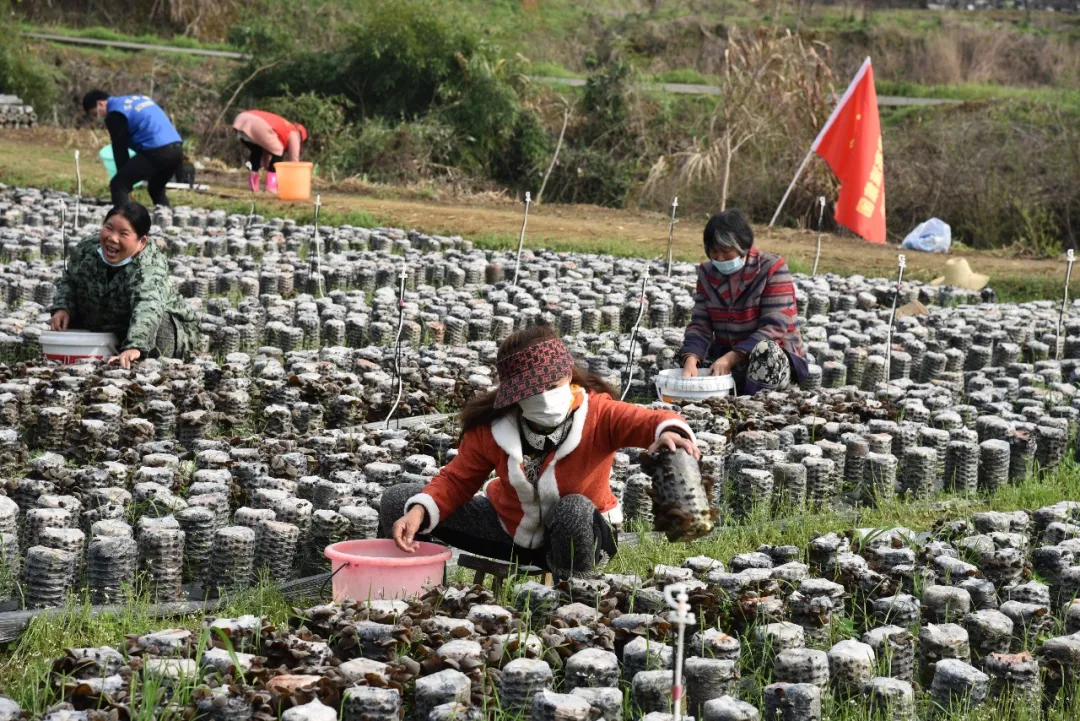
579, 540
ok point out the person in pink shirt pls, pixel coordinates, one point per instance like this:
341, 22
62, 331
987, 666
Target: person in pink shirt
270, 138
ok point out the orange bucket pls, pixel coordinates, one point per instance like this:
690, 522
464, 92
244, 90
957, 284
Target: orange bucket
294, 180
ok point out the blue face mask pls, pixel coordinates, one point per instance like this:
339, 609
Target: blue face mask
727, 267
121, 264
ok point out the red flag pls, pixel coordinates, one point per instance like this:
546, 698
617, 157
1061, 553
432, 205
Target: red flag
850, 143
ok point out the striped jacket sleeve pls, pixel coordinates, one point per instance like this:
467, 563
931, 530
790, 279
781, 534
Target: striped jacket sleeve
699, 333
778, 312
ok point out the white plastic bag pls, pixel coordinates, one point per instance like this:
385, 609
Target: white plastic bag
931, 236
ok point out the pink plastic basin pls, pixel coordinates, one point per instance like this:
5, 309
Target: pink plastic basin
376, 568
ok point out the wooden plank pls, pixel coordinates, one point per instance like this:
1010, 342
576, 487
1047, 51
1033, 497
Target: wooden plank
494, 566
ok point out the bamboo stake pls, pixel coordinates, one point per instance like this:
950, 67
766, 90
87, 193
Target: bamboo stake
677, 597
671, 235
633, 333
397, 350
318, 250
521, 240
251, 213
820, 218
902, 262
78, 191
63, 231
1070, 258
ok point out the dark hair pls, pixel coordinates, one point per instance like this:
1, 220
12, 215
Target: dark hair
480, 410
134, 213
728, 230
92, 98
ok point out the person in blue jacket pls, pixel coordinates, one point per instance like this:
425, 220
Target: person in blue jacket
136, 122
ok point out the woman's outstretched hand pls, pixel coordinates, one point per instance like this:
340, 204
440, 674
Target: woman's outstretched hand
670, 440
60, 320
723, 365
126, 358
689, 369
406, 527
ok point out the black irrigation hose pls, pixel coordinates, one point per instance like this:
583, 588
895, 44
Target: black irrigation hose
322, 588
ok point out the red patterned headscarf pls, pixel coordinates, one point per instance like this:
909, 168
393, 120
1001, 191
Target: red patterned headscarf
531, 371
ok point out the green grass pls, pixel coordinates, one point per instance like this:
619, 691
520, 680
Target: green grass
686, 76
552, 70
24, 673
1022, 288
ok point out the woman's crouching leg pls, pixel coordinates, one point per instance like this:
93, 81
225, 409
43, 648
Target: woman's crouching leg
165, 339
767, 369
392, 505
473, 528
581, 540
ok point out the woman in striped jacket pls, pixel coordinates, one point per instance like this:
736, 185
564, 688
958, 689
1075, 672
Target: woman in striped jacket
745, 321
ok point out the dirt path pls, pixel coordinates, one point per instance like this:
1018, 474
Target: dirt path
43, 157
645, 233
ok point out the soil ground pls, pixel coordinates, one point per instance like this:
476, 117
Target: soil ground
43, 158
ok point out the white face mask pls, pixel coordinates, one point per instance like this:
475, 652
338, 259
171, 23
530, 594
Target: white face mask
548, 409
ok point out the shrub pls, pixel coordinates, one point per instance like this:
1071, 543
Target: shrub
998, 173
323, 116
21, 72
589, 175
403, 152
528, 153
600, 158
317, 72
404, 62
606, 101
400, 53
262, 35
483, 106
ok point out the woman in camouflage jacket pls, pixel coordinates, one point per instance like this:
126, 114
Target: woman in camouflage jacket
119, 283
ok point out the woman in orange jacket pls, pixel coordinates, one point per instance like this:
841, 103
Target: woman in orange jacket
270, 138
549, 432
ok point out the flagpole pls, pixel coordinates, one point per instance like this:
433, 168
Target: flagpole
789, 188
817, 141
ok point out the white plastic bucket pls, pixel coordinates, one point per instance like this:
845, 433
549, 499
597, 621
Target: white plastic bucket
72, 345
671, 386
